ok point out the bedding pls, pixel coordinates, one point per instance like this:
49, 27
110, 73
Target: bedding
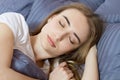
108, 46
110, 11
23, 64
109, 53
20, 6
93, 4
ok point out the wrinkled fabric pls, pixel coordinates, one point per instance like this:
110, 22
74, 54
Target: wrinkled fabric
109, 53
20, 6
23, 64
110, 11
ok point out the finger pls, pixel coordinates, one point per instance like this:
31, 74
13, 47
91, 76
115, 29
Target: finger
63, 64
70, 75
72, 79
67, 70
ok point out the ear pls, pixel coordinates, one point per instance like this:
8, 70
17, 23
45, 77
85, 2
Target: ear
51, 18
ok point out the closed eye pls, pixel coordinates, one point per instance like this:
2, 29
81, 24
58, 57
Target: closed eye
61, 24
71, 40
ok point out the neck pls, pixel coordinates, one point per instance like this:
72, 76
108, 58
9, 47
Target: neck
39, 52
33, 40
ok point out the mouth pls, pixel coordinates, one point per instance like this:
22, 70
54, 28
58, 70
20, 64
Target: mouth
51, 41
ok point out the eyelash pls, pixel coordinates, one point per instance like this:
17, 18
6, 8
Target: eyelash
61, 24
63, 27
71, 41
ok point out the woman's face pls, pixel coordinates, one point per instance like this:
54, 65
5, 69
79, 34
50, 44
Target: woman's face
64, 32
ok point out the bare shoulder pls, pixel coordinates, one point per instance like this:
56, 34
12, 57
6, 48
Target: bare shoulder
6, 45
92, 52
91, 65
5, 31
6, 36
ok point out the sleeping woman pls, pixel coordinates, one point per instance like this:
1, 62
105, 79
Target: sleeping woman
70, 34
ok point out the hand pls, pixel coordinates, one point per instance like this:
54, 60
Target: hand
61, 72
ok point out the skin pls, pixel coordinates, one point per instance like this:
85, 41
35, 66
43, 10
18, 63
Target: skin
41, 44
6, 53
62, 34
91, 67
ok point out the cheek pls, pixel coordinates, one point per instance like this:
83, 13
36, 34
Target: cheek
65, 46
50, 27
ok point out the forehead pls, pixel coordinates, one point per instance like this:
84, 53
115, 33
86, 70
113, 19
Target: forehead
78, 22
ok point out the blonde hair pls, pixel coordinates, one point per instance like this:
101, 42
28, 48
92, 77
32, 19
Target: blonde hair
77, 57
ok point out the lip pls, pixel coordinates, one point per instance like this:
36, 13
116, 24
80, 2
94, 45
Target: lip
51, 41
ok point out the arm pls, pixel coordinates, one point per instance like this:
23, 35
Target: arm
6, 53
91, 66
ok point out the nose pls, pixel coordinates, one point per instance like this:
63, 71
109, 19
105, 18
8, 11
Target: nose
60, 36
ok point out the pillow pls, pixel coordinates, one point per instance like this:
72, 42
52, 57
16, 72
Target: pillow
93, 4
41, 9
109, 53
20, 6
23, 64
110, 11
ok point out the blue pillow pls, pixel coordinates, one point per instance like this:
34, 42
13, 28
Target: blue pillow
93, 4
110, 11
24, 65
41, 9
20, 6
109, 53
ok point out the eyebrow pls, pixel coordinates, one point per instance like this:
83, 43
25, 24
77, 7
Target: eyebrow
68, 22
